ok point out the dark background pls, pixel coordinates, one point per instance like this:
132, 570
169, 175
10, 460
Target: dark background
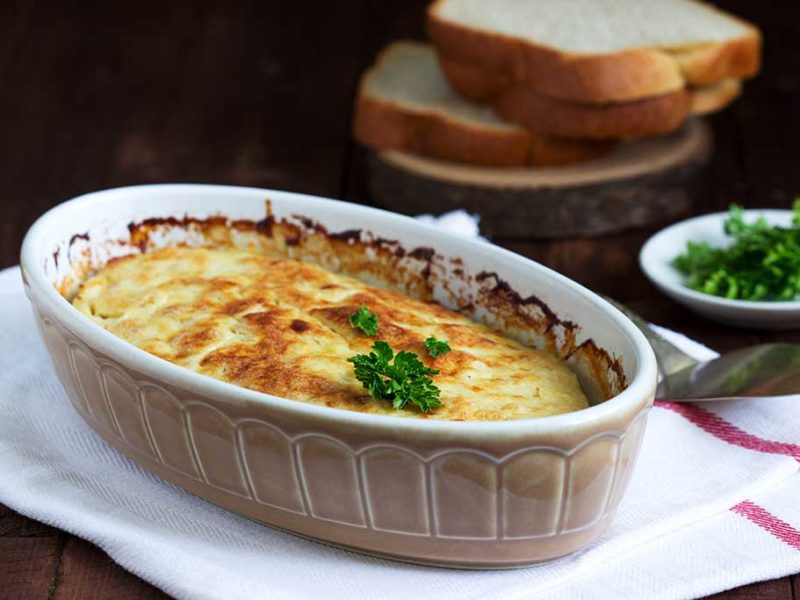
98, 94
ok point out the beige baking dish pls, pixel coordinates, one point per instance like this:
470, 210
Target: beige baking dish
463, 494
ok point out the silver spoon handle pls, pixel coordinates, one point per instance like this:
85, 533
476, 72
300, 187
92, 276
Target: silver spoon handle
671, 359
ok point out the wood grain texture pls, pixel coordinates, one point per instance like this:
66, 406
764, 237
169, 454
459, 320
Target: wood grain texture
647, 182
29, 566
87, 572
766, 590
96, 94
17, 526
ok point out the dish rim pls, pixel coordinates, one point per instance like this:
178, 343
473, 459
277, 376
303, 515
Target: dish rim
641, 383
647, 262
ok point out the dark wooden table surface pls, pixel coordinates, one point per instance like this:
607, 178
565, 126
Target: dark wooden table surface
96, 94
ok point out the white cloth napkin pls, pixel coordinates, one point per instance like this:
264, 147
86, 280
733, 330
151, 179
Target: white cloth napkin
712, 505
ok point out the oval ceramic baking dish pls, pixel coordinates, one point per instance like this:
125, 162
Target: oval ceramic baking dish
465, 494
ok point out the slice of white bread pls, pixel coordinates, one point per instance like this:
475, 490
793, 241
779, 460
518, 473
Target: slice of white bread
597, 51
521, 104
405, 103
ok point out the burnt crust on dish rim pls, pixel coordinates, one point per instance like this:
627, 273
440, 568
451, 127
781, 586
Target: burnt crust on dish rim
418, 272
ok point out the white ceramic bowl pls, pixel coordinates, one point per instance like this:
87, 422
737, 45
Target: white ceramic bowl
468, 494
660, 250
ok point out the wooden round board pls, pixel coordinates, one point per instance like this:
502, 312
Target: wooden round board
639, 183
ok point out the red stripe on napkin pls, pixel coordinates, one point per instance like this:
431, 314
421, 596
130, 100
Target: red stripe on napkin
769, 522
722, 429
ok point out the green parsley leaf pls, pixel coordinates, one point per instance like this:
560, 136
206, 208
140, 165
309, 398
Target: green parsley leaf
365, 320
762, 262
436, 348
401, 379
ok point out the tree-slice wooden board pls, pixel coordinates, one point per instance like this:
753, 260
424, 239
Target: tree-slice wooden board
639, 183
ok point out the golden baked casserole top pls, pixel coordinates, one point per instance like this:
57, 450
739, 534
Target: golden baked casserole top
282, 327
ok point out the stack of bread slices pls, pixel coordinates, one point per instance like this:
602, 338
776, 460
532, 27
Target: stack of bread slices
551, 82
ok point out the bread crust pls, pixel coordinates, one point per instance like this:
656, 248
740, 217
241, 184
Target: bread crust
386, 125
711, 98
473, 82
564, 118
638, 118
713, 63
594, 78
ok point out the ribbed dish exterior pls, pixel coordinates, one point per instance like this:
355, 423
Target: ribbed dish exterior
530, 505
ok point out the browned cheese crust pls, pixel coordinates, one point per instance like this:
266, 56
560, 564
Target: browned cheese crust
280, 326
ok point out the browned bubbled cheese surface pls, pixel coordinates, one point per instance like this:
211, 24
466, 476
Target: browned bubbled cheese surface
281, 326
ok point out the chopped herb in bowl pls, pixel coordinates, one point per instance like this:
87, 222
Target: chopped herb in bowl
762, 263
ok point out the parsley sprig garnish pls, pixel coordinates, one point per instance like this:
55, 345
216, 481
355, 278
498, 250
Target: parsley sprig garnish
763, 263
436, 348
365, 320
400, 378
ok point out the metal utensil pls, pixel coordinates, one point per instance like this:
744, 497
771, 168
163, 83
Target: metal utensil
766, 370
